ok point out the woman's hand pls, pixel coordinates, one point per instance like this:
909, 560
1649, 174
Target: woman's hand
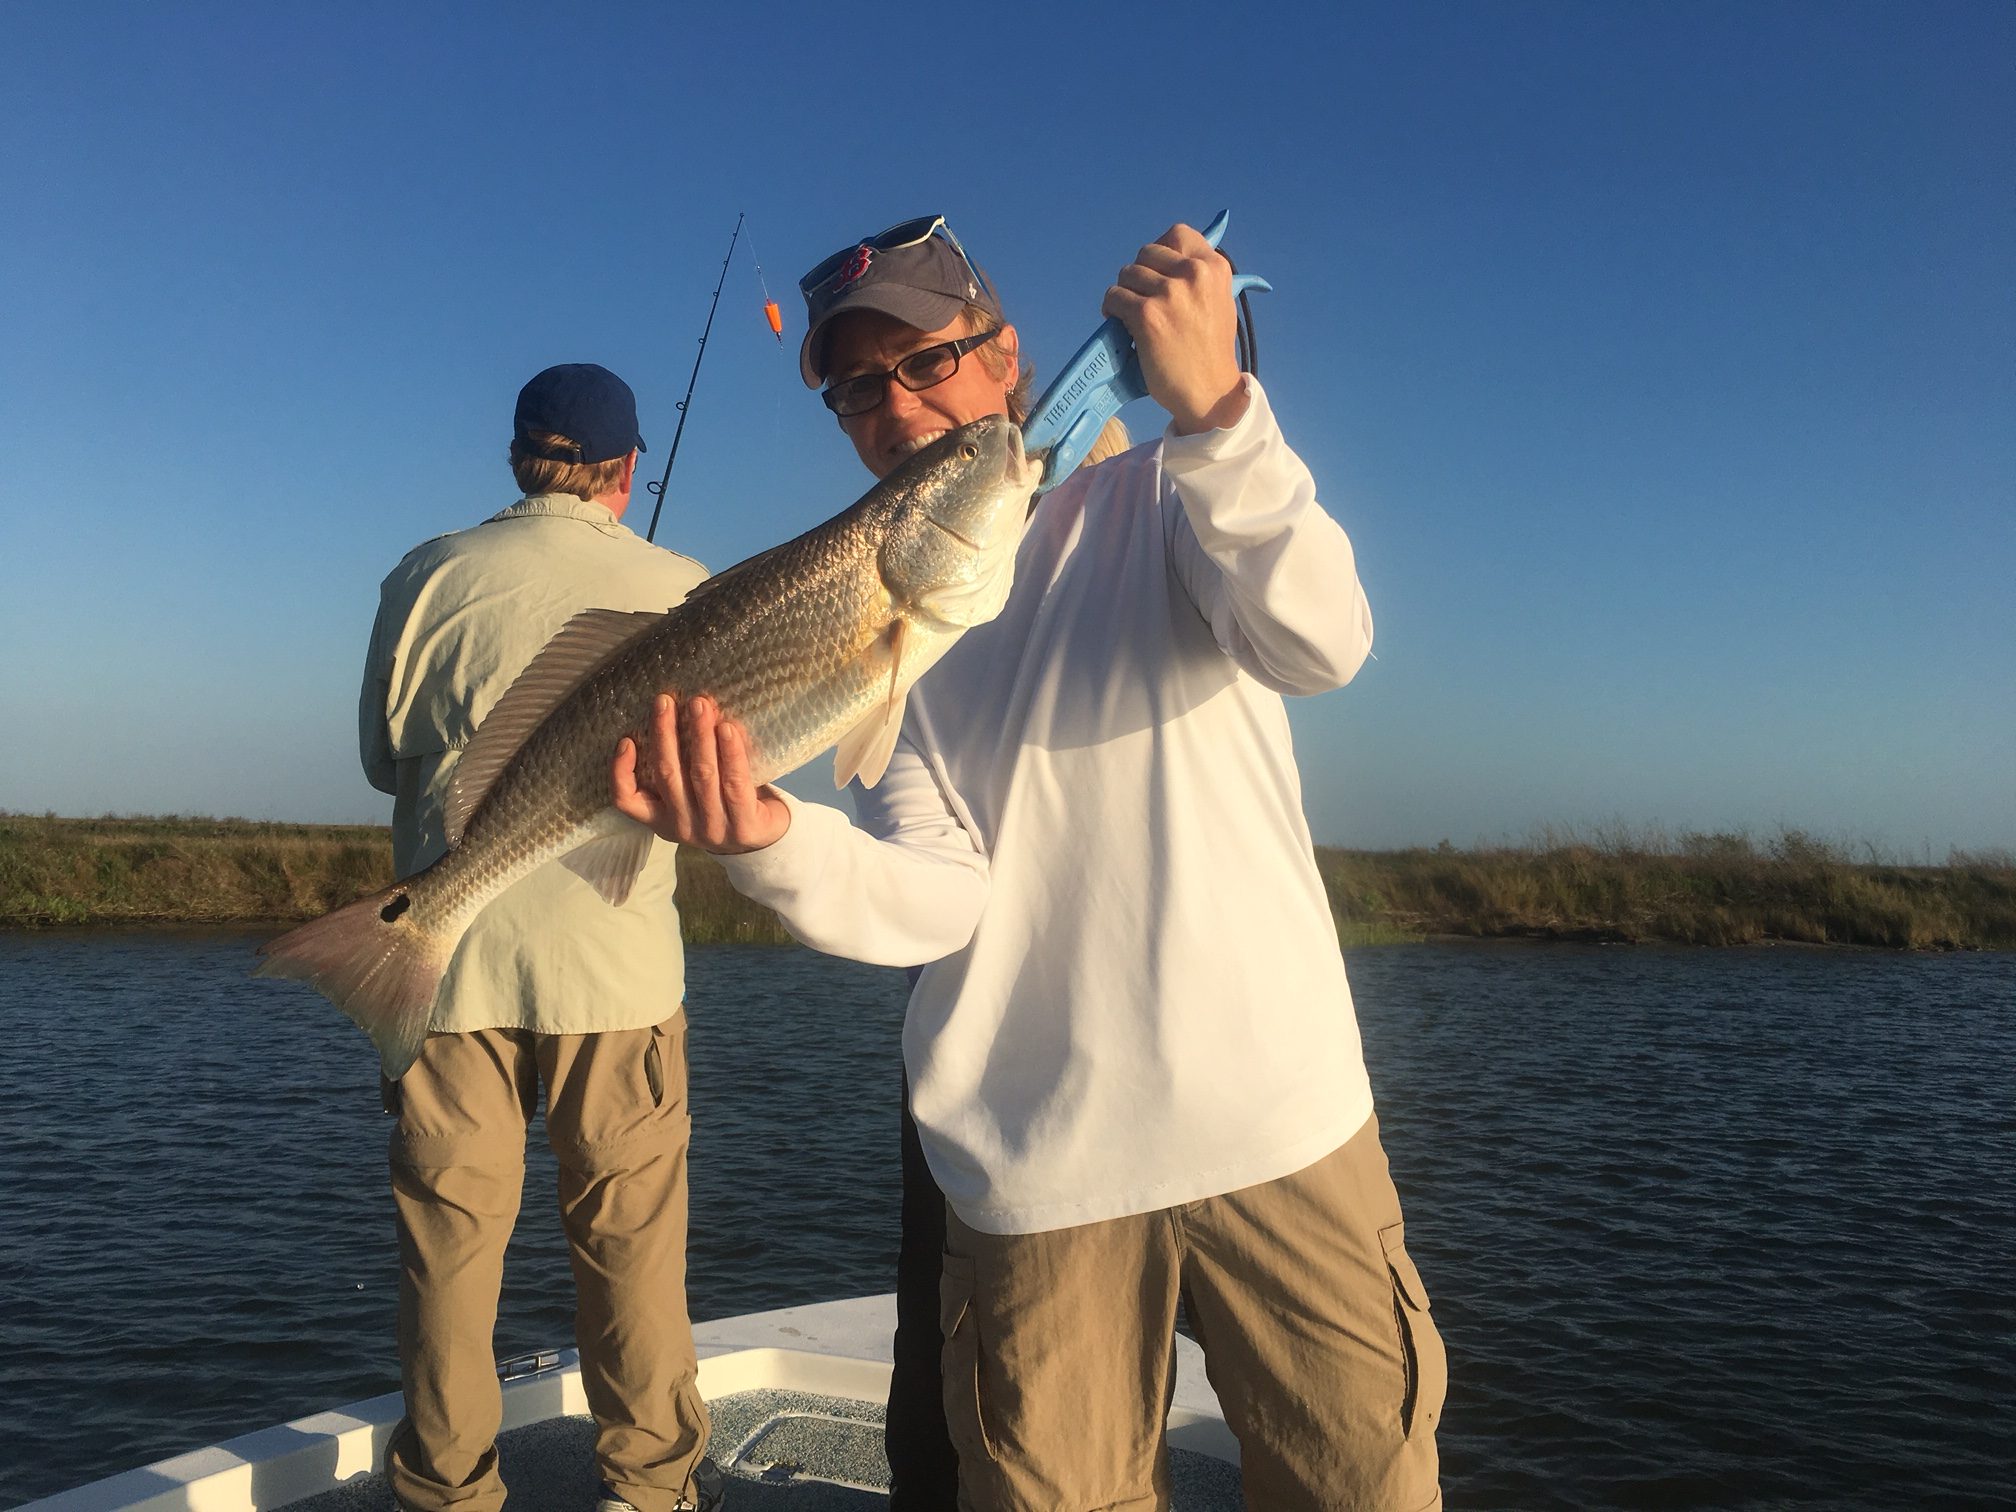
1176, 301
690, 781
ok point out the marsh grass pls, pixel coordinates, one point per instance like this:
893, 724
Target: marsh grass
215, 871
1629, 885
1615, 884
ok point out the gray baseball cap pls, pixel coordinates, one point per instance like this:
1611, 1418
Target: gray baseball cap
916, 271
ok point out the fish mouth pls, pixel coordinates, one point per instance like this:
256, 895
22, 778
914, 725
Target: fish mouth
907, 448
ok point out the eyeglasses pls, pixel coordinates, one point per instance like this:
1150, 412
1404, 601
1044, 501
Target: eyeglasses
919, 371
907, 233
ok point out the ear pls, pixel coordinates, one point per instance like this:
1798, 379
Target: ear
629, 469
1010, 344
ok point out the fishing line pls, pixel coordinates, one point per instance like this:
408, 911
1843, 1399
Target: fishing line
770, 311
776, 318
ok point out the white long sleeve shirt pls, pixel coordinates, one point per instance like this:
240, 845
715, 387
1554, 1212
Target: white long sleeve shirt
1092, 826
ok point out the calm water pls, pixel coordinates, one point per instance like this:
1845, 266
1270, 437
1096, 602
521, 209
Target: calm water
1705, 1229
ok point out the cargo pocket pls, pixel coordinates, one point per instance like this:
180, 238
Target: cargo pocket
1424, 1361
960, 1329
665, 1064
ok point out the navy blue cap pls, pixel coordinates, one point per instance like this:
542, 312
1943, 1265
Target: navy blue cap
584, 402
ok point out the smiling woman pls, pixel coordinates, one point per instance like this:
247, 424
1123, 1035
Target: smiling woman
896, 389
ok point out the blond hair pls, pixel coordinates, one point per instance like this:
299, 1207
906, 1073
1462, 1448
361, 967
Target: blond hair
550, 475
1112, 439
995, 361
1110, 442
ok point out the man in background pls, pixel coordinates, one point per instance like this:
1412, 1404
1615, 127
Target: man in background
552, 987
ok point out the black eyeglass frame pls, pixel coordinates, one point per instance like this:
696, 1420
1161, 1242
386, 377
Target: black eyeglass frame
877, 384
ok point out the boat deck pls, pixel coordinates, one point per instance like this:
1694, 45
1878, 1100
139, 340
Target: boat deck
796, 1397
783, 1451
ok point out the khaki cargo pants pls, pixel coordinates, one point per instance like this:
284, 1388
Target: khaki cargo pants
617, 1120
1059, 1352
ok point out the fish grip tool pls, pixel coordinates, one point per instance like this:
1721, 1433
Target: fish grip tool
1101, 377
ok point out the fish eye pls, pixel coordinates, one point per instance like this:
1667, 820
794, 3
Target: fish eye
969, 451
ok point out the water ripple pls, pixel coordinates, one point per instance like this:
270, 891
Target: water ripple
1704, 1229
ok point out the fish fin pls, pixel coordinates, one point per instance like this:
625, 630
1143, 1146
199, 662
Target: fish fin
899, 639
611, 863
382, 971
562, 665
739, 570
864, 750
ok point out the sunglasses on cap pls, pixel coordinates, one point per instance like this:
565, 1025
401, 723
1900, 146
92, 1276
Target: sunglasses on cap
909, 233
917, 372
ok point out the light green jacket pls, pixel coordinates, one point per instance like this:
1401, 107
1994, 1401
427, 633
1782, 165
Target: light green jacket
458, 619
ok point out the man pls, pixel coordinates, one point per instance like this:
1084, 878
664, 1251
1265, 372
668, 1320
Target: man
551, 986
1135, 1069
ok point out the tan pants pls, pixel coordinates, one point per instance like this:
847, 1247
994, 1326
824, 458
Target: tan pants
617, 1121
1059, 1353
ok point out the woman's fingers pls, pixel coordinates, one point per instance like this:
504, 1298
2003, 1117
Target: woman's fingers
699, 749
689, 777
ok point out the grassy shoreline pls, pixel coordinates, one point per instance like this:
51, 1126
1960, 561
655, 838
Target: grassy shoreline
1627, 888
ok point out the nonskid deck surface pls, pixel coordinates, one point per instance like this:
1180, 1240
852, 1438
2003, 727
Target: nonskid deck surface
783, 1451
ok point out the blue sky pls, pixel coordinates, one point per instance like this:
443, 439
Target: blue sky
1660, 359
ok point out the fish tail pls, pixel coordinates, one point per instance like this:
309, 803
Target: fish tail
373, 962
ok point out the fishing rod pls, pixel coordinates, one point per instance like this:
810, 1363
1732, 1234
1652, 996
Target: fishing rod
658, 488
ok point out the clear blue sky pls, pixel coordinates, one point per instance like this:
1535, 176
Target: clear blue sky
1660, 359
